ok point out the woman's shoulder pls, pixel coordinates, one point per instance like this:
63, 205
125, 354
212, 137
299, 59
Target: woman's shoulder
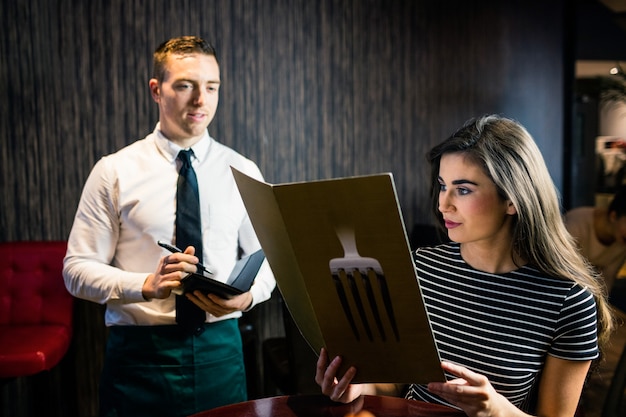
449, 252
448, 247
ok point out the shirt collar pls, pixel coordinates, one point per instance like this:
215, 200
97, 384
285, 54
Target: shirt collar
170, 149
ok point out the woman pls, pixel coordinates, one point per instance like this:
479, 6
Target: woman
516, 312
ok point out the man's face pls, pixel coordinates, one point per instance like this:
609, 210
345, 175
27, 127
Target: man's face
619, 227
187, 97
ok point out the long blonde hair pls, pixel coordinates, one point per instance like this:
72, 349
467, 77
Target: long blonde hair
511, 158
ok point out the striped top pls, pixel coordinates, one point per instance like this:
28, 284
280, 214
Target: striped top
502, 325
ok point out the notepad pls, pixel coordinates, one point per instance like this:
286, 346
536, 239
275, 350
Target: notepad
239, 281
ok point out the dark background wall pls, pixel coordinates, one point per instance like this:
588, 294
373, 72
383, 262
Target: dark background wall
311, 90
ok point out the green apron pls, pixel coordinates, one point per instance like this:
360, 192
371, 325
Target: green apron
165, 371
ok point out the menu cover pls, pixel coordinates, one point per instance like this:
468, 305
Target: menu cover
341, 258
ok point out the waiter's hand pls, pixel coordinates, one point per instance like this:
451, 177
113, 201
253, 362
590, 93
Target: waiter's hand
218, 306
170, 270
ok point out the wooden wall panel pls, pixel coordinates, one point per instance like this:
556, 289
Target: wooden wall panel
311, 90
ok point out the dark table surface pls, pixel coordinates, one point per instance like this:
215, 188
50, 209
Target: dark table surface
321, 406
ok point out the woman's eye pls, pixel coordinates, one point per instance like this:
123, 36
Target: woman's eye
463, 191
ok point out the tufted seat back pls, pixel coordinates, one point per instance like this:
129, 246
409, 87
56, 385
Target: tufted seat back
35, 307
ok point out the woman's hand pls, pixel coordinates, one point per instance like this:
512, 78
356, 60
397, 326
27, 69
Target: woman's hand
326, 377
473, 393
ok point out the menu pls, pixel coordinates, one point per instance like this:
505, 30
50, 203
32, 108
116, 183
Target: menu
341, 257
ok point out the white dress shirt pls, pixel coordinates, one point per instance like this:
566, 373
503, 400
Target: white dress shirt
129, 203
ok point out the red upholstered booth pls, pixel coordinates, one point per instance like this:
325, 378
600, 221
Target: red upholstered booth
35, 307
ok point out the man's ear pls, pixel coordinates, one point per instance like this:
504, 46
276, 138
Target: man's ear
155, 89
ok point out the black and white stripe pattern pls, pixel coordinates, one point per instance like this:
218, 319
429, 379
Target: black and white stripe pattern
502, 325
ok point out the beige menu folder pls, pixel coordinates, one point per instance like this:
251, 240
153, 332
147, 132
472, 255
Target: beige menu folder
340, 254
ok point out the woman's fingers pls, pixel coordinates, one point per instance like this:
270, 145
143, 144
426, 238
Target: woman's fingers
339, 390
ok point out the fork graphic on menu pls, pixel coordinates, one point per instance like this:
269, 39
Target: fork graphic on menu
346, 272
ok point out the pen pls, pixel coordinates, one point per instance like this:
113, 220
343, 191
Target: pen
174, 249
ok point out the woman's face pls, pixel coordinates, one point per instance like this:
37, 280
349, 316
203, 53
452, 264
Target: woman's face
469, 202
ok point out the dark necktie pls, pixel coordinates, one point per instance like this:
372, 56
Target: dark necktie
188, 233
